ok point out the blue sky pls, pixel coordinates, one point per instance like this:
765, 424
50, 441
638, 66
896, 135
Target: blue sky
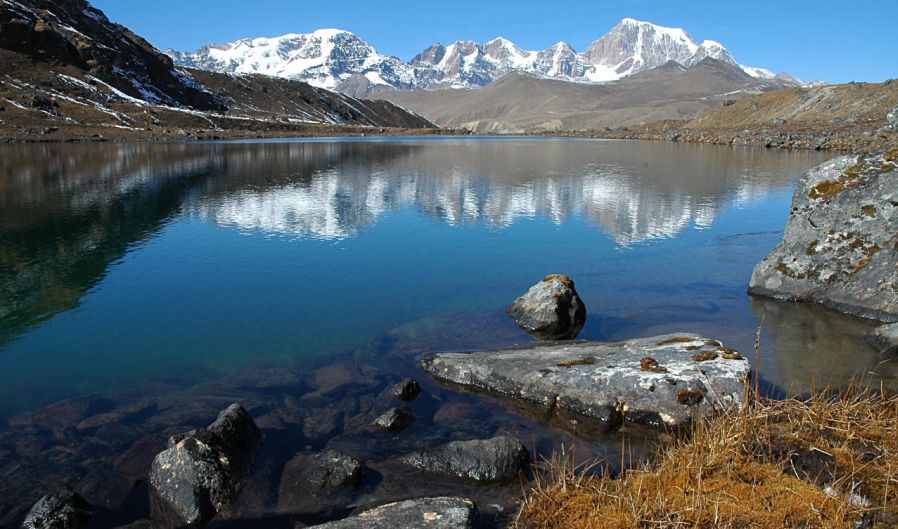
833, 40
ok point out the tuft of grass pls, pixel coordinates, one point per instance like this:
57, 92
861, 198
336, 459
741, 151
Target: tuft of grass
676, 339
585, 361
828, 461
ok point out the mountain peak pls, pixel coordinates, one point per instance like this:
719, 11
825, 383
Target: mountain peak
331, 57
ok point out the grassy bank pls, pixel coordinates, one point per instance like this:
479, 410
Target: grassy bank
830, 461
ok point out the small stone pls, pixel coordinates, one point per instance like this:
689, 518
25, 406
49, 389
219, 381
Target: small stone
407, 390
501, 458
395, 420
58, 510
884, 338
550, 310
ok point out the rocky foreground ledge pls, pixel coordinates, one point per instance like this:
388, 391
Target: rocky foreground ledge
840, 247
659, 381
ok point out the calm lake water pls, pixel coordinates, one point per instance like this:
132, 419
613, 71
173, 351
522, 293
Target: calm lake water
129, 270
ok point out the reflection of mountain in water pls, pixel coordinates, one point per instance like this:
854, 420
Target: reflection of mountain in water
67, 212
501, 182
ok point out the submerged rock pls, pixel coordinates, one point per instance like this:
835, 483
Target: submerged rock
202, 471
884, 338
407, 390
395, 419
305, 477
68, 413
59, 510
550, 310
839, 247
608, 381
432, 513
501, 458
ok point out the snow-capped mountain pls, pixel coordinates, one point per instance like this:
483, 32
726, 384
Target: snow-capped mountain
323, 58
338, 59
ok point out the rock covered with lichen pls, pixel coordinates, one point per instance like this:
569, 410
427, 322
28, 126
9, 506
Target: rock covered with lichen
840, 246
660, 381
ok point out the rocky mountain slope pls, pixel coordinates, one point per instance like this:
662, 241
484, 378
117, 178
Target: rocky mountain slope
526, 103
851, 117
338, 59
66, 71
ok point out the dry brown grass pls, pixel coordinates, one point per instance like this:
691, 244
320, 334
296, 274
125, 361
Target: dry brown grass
830, 461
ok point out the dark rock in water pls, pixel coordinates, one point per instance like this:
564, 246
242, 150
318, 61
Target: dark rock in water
550, 310
430, 513
501, 458
839, 245
68, 413
884, 338
202, 471
104, 486
59, 510
407, 390
605, 381
305, 477
139, 524
395, 420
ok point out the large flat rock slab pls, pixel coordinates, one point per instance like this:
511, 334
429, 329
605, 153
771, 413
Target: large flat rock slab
663, 380
840, 247
432, 513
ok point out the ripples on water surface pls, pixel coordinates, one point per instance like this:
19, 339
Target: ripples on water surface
130, 269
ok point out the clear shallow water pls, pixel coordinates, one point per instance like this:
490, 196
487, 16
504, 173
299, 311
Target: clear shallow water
132, 270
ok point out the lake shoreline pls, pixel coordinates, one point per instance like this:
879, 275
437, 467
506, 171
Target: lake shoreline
843, 142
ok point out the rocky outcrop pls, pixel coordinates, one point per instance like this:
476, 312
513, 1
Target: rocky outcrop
432, 513
59, 510
202, 471
502, 458
840, 246
72, 32
884, 338
551, 309
665, 380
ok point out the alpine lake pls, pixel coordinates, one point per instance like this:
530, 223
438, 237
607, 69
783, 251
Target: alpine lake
303, 278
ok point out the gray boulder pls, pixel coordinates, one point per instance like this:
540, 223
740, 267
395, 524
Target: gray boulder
429, 513
501, 458
59, 510
202, 471
884, 338
664, 380
550, 310
839, 246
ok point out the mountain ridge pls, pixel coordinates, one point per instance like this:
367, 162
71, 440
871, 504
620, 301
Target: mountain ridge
338, 59
521, 102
